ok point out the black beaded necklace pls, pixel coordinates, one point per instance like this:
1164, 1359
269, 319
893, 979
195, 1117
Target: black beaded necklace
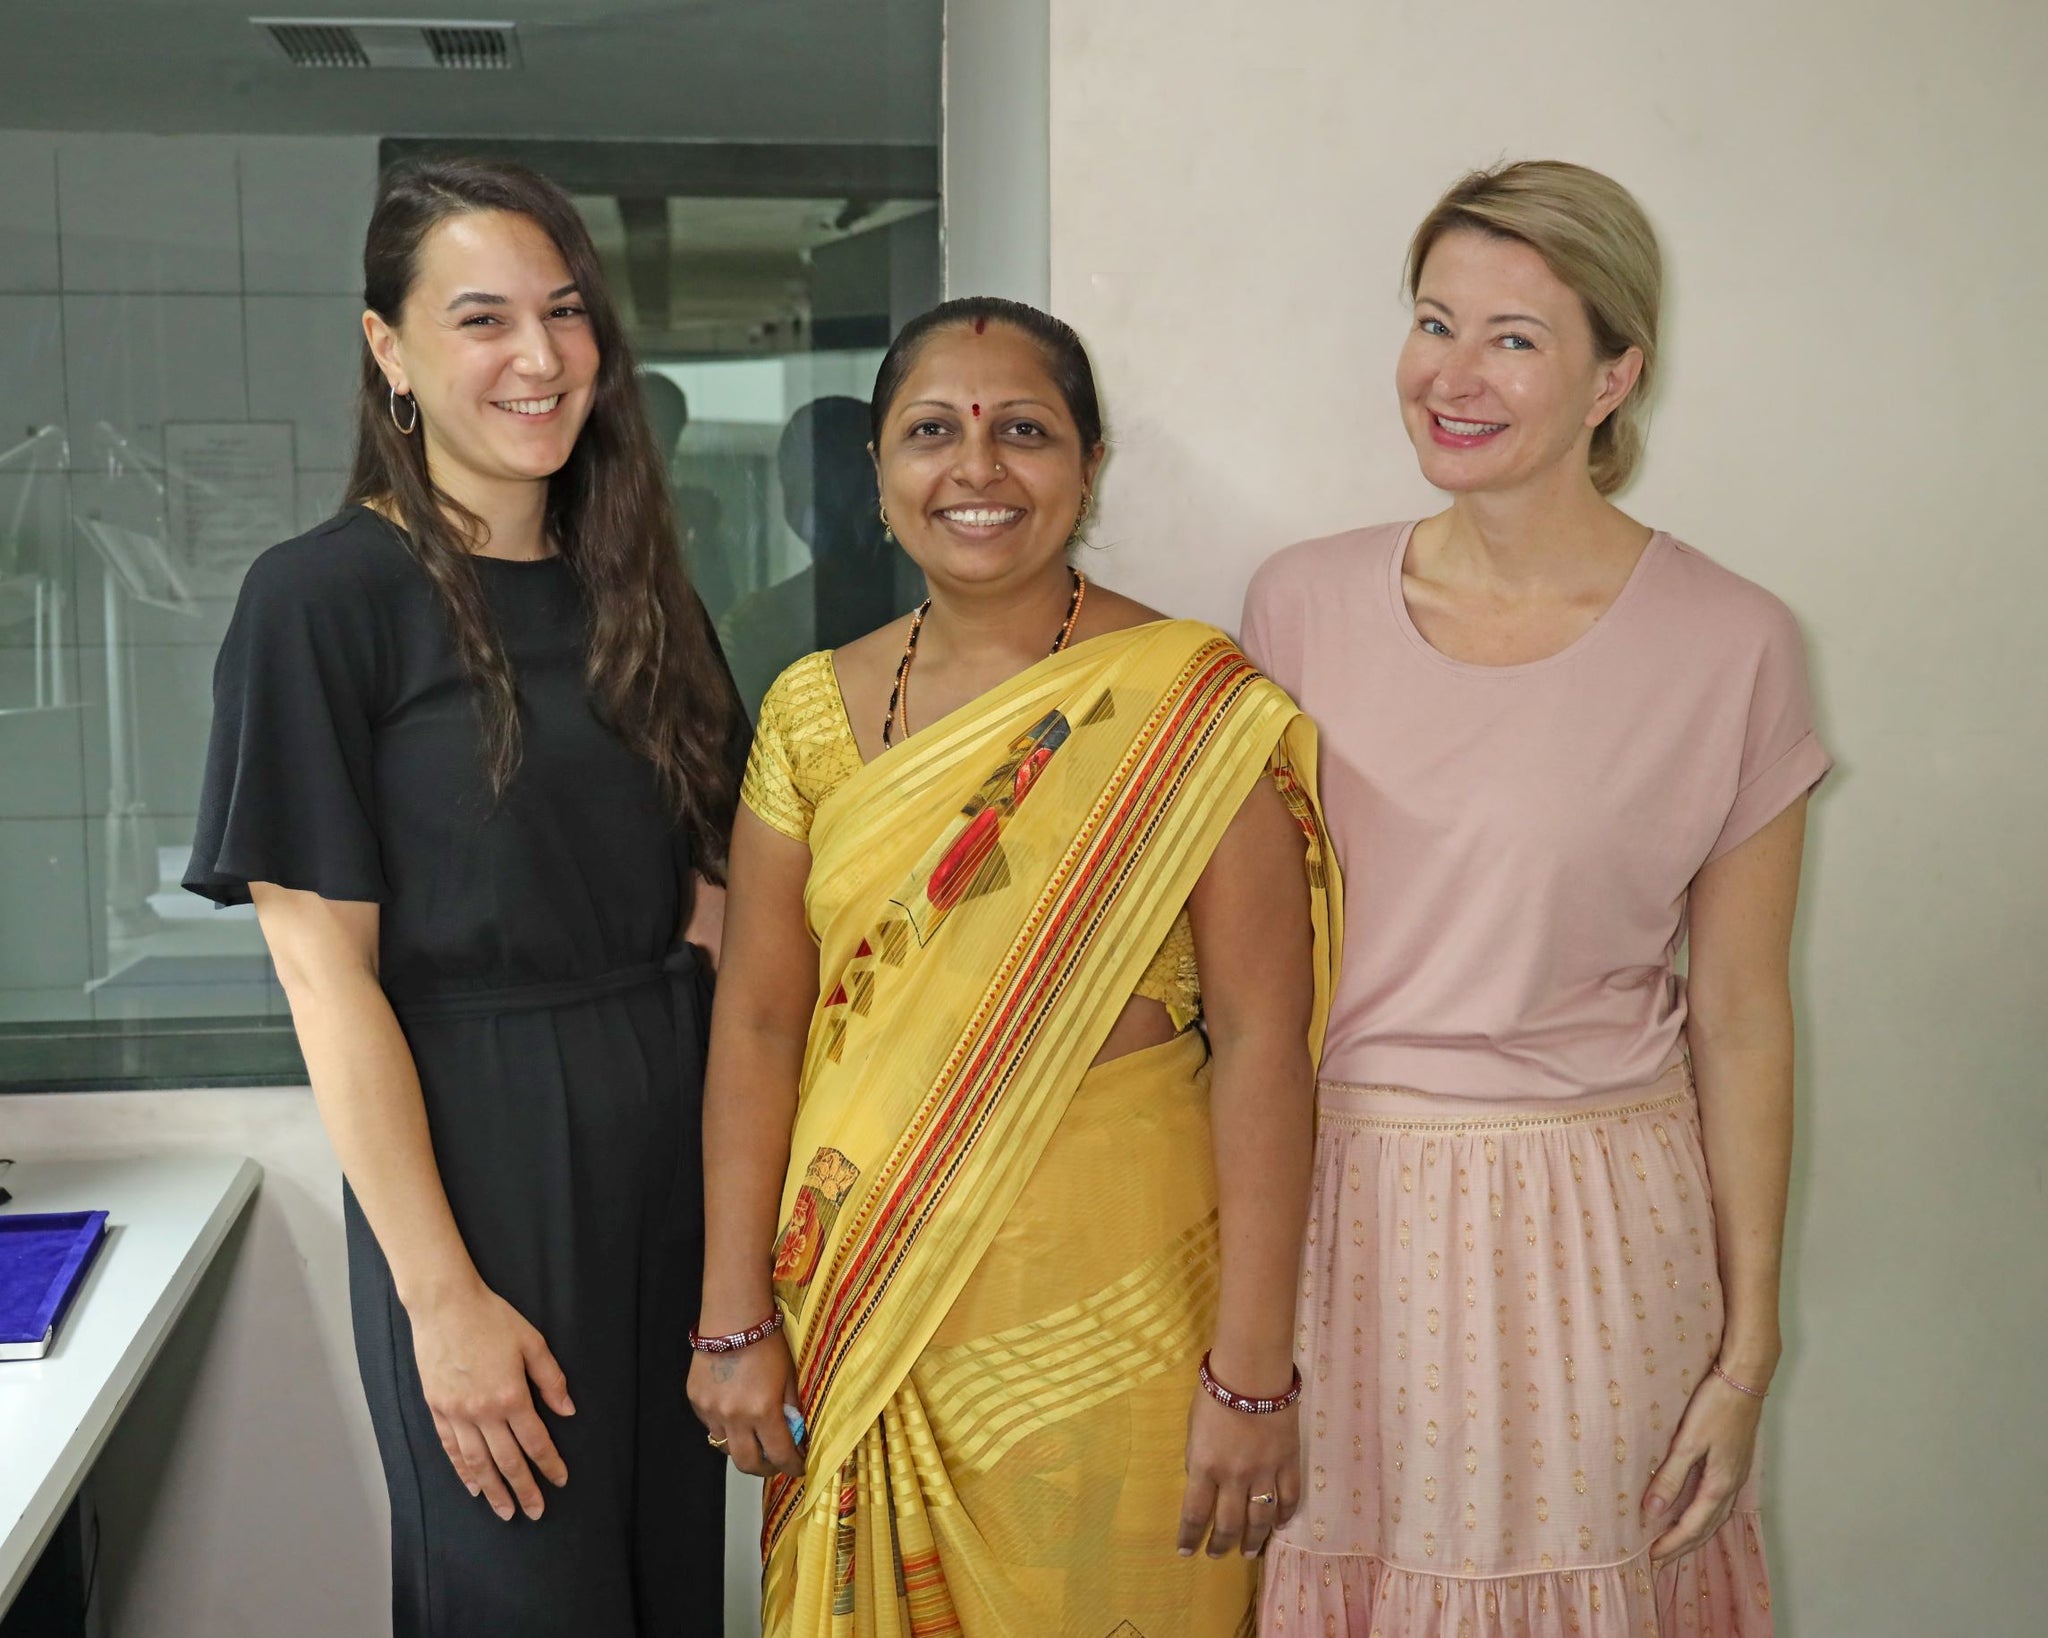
899, 696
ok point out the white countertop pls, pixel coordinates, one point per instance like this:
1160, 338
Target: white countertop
167, 1216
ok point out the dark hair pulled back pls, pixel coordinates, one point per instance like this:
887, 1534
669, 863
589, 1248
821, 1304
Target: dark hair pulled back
1066, 359
654, 669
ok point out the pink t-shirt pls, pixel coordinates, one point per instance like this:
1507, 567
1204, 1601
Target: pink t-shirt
1518, 841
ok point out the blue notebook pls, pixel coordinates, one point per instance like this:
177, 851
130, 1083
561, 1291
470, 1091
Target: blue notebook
44, 1257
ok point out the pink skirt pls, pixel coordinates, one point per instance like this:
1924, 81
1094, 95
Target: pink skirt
1504, 1311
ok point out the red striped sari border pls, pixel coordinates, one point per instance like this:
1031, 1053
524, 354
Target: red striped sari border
1075, 903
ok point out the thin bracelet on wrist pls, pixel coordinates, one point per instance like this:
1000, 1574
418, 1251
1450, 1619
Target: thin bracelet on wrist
1243, 1402
1739, 1387
733, 1341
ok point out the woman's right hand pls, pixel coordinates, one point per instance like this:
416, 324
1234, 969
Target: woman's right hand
739, 1398
476, 1355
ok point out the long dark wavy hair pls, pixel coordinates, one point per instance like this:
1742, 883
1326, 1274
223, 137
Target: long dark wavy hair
654, 671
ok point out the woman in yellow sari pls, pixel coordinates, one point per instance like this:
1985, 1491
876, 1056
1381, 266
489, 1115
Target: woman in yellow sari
1015, 1237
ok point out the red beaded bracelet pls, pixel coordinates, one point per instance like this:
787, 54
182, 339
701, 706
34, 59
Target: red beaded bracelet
1237, 1401
738, 1339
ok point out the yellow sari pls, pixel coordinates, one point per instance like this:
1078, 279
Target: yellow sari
998, 1267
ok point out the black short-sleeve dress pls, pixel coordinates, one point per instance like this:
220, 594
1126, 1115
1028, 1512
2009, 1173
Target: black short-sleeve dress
526, 949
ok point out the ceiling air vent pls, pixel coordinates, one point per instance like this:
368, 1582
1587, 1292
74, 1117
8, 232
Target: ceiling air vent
471, 45
390, 42
317, 45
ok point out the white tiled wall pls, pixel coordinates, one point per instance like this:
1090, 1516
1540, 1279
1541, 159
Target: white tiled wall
144, 279
150, 214
42, 885
292, 340
305, 204
28, 210
134, 361
31, 358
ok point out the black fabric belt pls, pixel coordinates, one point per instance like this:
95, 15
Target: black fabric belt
682, 966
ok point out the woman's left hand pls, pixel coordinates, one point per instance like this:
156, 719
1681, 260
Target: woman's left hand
1235, 1462
1717, 1435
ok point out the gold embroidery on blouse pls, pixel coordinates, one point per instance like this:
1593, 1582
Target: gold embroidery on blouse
1171, 978
803, 747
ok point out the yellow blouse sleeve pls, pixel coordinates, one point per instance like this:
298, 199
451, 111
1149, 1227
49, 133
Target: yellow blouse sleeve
802, 748
1172, 978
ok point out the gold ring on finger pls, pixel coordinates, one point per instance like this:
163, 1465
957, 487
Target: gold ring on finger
714, 1441
1265, 1498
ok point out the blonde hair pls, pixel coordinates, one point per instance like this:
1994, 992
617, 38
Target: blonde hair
1592, 234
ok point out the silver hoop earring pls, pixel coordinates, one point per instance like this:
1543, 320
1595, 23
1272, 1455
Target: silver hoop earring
391, 408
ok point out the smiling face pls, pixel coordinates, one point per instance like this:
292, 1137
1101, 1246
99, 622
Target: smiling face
1499, 383
982, 467
494, 344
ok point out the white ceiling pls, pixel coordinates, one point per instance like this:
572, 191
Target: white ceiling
726, 70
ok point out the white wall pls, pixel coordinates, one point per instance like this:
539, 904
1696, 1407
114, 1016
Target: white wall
1850, 204
994, 147
241, 1491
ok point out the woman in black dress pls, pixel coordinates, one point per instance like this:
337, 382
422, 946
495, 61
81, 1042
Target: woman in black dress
472, 746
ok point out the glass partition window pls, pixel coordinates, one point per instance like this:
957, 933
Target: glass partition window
176, 344
760, 324
179, 336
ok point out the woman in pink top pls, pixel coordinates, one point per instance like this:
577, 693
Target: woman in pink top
1539, 1309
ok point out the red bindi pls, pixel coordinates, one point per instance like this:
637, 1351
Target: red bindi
977, 412
981, 324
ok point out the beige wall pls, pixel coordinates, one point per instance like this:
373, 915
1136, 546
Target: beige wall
1850, 200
